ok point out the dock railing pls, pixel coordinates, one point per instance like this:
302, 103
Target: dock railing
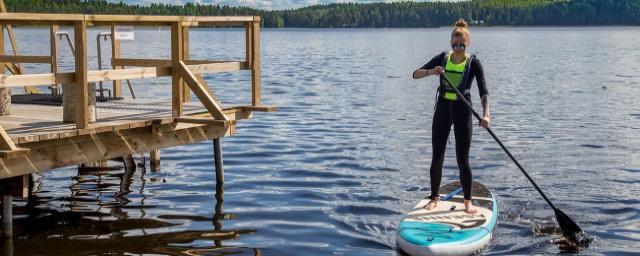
185, 73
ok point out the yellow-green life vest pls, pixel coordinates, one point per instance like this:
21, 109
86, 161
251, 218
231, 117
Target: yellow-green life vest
455, 73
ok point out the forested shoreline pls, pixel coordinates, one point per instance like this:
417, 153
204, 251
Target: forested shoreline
371, 15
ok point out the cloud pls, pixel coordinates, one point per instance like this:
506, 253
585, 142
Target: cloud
261, 4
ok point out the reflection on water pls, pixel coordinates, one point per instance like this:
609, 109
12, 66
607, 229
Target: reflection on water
101, 219
348, 152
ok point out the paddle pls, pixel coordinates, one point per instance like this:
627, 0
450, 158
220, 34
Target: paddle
569, 227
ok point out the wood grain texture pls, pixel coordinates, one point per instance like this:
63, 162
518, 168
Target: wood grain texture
81, 89
176, 78
115, 53
201, 92
255, 64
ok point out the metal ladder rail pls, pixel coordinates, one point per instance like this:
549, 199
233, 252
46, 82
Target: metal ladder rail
65, 35
61, 35
101, 90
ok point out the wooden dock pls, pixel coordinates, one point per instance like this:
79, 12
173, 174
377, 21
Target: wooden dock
38, 138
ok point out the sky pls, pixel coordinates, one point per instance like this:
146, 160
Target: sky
261, 4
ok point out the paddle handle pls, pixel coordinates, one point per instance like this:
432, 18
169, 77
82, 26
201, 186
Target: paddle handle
466, 102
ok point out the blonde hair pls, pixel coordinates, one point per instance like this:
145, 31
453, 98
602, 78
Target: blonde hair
461, 29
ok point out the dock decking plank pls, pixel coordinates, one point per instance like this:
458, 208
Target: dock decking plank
32, 123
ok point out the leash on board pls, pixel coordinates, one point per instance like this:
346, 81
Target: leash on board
451, 194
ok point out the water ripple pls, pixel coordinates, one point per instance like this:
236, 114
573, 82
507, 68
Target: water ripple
349, 150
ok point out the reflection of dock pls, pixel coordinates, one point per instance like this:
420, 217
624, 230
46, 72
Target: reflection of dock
37, 138
116, 225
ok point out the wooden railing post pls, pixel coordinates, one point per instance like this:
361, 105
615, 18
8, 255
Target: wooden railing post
177, 45
5, 93
81, 87
249, 45
186, 93
53, 29
255, 62
115, 53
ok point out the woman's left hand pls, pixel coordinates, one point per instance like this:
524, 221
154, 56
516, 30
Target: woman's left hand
485, 122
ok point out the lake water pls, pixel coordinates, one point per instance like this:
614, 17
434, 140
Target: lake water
349, 150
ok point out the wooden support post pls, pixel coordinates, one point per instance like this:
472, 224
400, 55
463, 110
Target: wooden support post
54, 51
115, 53
6, 224
129, 162
70, 103
15, 186
6, 247
154, 160
5, 93
217, 155
255, 63
186, 94
176, 79
249, 46
127, 178
81, 87
219, 214
18, 186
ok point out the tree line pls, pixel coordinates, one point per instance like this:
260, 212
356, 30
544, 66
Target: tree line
370, 15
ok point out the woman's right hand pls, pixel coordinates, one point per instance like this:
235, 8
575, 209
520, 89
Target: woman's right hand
437, 70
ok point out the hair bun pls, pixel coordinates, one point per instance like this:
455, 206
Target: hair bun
461, 23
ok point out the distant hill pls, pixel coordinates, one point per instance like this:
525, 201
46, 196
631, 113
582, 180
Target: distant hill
397, 14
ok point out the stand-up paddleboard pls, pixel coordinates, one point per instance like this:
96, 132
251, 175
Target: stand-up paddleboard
447, 229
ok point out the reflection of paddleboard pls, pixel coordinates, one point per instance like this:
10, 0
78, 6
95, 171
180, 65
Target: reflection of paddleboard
447, 229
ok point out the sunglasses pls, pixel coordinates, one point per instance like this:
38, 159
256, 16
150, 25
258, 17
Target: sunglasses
462, 46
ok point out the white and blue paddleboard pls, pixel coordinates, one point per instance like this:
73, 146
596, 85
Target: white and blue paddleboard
447, 229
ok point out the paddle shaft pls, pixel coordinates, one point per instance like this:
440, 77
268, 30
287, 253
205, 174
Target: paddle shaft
446, 79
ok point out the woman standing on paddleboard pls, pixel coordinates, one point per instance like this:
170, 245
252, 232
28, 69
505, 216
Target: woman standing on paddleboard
461, 68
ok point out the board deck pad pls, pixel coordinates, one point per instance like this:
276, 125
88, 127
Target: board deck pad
447, 229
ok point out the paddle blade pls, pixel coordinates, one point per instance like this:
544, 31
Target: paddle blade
571, 230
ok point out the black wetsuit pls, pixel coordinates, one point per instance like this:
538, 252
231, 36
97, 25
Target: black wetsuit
448, 112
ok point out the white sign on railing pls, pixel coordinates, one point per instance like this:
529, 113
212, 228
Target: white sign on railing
124, 32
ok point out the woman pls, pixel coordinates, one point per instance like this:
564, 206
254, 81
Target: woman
461, 68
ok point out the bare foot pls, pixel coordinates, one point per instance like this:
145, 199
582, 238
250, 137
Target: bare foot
431, 204
469, 208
